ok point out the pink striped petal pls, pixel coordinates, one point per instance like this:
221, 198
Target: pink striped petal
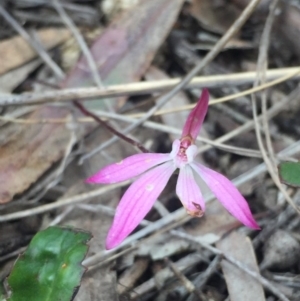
128, 168
137, 202
195, 119
227, 194
189, 192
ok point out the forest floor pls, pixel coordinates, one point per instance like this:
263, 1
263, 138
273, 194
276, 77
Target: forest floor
122, 59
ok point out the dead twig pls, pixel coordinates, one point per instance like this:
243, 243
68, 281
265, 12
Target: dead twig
147, 87
200, 280
86, 112
165, 274
185, 281
263, 65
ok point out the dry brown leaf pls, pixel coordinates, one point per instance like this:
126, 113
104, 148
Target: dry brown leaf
16, 51
11, 79
241, 286
30, 150
281, 251
215, 16
132, 275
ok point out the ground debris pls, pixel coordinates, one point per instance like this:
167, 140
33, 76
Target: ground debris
47, 150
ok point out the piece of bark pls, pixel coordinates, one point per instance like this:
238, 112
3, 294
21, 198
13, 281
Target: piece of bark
241, 286
128, 278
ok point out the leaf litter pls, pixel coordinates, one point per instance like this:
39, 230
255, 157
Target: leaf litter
153, 40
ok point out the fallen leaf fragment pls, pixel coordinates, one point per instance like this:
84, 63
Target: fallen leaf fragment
215, 16
241, 286
11, 79
281, 251
129, 277
16, 51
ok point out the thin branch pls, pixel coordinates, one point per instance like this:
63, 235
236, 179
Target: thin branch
58, 219
263, 64
210, 270
190, 287
218, 143
149, 124
61, 202
75, 93
86, 112
139, 88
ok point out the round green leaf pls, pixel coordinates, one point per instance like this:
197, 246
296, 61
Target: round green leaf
289, 173
50, 269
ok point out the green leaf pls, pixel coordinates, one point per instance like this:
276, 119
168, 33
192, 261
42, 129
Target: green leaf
50, 269
289, 173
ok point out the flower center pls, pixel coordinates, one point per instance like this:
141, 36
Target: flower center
185, 142
183, 151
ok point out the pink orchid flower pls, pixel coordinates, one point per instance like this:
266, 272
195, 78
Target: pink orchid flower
156, 170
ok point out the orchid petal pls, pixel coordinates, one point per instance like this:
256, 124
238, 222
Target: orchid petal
191, 152
189, 192
195, 119
227, 194
175, 148
137, 202
128, 168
